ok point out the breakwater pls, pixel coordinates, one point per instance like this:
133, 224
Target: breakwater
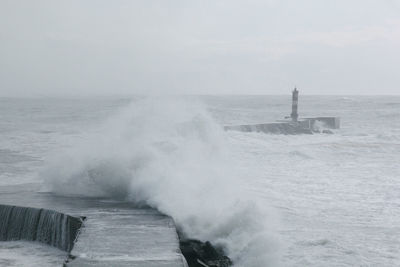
61, 231
114, 233
47, 226
292, 126
302, 126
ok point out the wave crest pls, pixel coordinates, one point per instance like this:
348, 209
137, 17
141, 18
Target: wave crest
170, 154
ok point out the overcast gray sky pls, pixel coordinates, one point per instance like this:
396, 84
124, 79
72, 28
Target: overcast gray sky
199, 47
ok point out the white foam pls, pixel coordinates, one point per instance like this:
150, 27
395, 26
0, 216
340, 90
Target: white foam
169, 153
27, 254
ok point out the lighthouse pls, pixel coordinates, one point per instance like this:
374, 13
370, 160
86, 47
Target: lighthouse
295, 100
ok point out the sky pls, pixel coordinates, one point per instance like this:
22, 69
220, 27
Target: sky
128, 47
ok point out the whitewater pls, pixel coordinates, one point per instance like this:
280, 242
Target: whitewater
269, 200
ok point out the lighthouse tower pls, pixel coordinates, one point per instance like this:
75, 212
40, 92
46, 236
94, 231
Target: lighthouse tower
295, 100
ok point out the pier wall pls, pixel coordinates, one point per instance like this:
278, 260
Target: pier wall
47, 226
302, 126
328, 122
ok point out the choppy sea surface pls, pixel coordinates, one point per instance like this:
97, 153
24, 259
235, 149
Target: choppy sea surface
270, 200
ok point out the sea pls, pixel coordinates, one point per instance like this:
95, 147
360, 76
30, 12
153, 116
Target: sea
268, 199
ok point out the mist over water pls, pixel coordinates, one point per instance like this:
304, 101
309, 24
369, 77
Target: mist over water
171, 154
271, 200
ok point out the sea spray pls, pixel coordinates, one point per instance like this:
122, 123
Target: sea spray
170, 154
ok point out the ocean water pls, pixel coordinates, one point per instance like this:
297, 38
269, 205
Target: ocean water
270, 200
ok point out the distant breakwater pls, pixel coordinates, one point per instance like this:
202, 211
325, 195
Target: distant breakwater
46, 226
302, 126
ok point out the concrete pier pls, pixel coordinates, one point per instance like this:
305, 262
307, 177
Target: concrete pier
274, 128
114, 233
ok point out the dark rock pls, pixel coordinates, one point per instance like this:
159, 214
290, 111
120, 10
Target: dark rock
200, 254
327, 132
